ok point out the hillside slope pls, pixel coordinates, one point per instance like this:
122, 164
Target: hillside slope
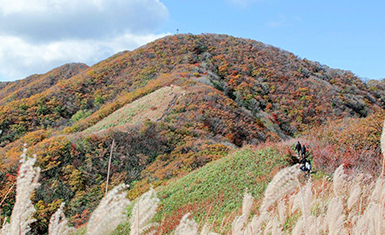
153, 108
215, 191
198, 127
37, 83
231, 92
294, 93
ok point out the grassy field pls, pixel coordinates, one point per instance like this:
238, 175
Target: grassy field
151, 107
214, 193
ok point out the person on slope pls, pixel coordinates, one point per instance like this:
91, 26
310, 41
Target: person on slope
306, 166
303, 151
298, 148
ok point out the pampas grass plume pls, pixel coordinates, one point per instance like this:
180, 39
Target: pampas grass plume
23, 209
187, 226
240, 221
142, 213
206, 231
109, 213
284, 182
339, 181
58, 223
354, 196
335, 217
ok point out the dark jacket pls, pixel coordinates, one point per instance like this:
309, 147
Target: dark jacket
303, 150
298, 147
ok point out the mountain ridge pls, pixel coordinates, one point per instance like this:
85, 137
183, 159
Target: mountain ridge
270, 72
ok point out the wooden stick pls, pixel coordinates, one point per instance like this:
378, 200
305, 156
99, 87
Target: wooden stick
9, 190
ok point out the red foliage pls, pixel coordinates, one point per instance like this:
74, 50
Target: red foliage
79, 220
352, 142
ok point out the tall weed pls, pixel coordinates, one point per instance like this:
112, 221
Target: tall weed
23, 209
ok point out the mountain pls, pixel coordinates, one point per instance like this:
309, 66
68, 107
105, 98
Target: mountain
38, 83
170, 107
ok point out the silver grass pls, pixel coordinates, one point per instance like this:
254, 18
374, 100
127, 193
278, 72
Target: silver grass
23, 209
273, 227
334, 219
254, 227
206, 231
380, 222
372, 221
277, 228
265, 223
378, 193
277, 220
295, 203
292, 204
308, 198
366, 223
353, 217
187, 226
142, 213
268, 227
382, 141
303, 199
284, 182
315, 224
299, 227
5, 229
339, 181
58, 223
109, 213
282, 211
358, 190
190, 227
240, 221
378, 199
310, 225
354, 196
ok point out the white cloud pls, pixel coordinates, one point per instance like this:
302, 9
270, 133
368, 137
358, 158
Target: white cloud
45, 20
19, 58
38, 35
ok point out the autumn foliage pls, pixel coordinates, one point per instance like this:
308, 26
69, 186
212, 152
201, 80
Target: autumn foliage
236, 92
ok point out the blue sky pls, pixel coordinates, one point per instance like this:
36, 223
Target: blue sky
39, 35
341, 34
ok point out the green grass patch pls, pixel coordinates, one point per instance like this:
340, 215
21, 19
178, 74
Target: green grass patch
214, 192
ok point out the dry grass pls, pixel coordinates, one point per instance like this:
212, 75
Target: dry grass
350, 206
150, 107
240, 221
110, 212
58, 224
23, 209
187, 226
142, 213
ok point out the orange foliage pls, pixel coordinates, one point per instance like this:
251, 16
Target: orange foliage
352, 142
